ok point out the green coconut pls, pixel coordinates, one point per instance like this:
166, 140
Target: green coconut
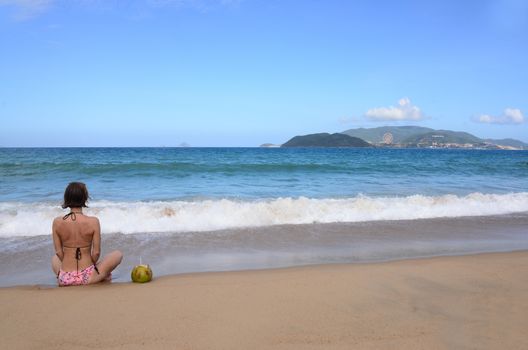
141, 274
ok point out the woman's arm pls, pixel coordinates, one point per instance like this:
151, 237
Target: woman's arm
57, 243
96, 242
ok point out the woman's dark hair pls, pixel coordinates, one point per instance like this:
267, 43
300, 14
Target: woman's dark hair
75, 195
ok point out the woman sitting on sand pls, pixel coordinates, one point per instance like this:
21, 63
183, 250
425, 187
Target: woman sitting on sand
77, 241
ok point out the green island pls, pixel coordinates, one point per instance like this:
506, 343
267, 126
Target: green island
401, 137
326, 140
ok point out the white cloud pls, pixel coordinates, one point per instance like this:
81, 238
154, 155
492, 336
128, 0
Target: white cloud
26, 9
509, 116
404, 111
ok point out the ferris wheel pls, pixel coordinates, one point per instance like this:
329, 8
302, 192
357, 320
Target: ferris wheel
387, 138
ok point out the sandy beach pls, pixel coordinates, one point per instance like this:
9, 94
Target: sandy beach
465, 302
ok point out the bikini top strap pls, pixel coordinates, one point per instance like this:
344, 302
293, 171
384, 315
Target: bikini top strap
72, 214
78, 256
86, 246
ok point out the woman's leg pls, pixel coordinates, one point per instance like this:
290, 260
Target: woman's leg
55, 264
106, 266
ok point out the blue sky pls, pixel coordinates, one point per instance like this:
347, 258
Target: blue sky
241, 73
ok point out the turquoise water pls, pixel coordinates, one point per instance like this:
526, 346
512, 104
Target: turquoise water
153, 190
207, 209
129, 174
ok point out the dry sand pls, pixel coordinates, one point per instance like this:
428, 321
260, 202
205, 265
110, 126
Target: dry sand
468, 302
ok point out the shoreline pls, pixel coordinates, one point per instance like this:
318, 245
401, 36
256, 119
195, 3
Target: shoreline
474, 301
42, 286
279, 246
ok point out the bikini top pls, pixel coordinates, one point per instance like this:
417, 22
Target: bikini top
78, 254
72, 214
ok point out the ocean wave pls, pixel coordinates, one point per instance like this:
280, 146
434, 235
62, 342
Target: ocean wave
10, 169
24, 219
150, 168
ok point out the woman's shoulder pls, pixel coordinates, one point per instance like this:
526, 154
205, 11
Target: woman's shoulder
91, 220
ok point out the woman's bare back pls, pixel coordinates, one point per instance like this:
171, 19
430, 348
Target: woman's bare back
77, 231
77, 243
80, 237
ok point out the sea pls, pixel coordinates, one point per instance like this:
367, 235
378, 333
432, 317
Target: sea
184, 210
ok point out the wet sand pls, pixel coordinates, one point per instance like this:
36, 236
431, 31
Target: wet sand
464, 302
279, 246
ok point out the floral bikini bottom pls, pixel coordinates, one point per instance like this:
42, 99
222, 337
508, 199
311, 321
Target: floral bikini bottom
75, 278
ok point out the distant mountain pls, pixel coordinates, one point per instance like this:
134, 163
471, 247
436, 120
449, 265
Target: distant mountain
443, 136
412, 136
508, 143
375, 135
326, 140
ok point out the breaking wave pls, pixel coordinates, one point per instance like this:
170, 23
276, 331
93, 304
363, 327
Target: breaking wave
25, 219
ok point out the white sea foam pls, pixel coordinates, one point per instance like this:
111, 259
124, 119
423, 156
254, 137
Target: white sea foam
21, 219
